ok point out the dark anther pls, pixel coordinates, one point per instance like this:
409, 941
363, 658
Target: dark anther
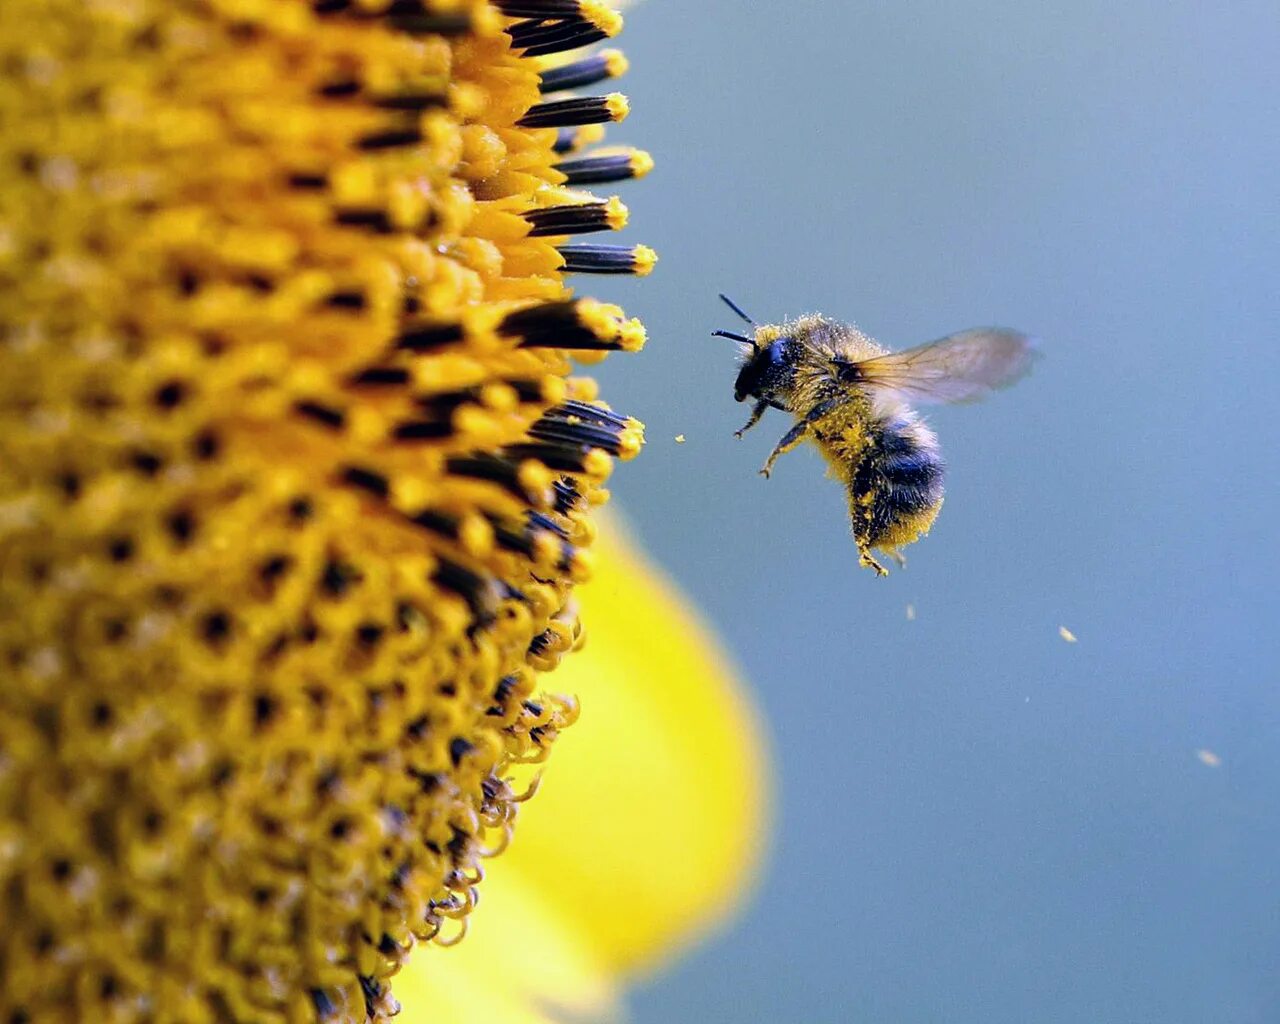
391, 138
205, 445
347, 300
170, 395
327, 784
340, 88
567, 495
537, 37
372, 991
121, 549
423, 430
374, 220
460, 841
503, 690
264, 708
567, 140
411, 101
338, 577
458, 749
325, 1006
577, 75
597, 170
182, 526
430, 24
69, 484
579, 110
540, 8
215, 627
324, 414
430, 336
367, 480
273, 568
368, 634
572, 219
385, 375
605, 259
564, 458
481, 466
146, 463
554, 325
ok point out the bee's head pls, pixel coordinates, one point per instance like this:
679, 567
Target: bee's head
767, 368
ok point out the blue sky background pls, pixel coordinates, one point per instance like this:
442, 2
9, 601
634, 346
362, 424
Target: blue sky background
977, 821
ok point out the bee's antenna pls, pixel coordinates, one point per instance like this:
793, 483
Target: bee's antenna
736, 308
733, 337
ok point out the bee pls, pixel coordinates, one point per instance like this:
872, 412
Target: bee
852, 397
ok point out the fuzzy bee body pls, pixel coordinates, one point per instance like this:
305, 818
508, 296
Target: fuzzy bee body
850, 396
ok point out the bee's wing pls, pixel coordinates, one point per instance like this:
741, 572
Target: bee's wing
958, 368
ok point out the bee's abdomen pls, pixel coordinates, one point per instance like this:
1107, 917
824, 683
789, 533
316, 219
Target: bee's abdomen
897, 490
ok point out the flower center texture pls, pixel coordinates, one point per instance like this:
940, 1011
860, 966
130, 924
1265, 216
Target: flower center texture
295, 481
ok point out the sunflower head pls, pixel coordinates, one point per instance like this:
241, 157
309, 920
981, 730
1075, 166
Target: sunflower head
295, 481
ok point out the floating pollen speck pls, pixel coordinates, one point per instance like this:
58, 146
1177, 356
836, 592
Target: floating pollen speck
679, 438
911, 613
1066, 634
1208, 758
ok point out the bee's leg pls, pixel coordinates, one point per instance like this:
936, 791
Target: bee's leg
796, 434
899, 558
789, 440
757, 411
865, 559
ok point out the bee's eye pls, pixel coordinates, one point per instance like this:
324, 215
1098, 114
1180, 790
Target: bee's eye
777, 352
766, 371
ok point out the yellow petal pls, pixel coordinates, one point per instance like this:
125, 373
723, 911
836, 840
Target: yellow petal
657, 801
647, 828
522, 962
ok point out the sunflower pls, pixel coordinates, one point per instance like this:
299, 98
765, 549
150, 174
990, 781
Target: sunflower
296, 480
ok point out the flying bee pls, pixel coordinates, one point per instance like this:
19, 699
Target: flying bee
852, 397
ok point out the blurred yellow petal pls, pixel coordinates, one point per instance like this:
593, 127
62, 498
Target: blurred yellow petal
659, 798
523, 962
646, 831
